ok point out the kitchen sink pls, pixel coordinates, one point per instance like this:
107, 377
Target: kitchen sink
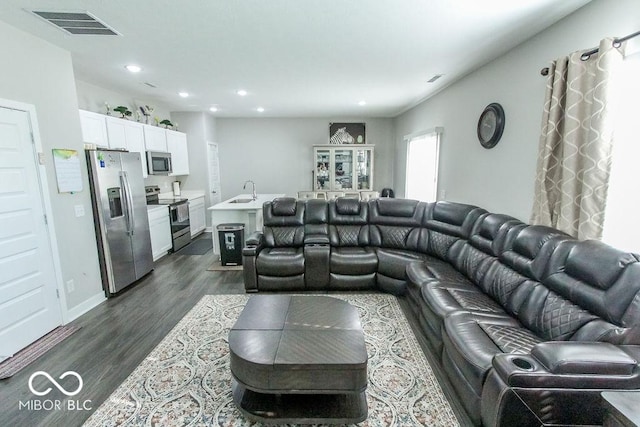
241, 201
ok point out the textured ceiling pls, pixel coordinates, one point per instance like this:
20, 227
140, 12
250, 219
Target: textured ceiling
296, 58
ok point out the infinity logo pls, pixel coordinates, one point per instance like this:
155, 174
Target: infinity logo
54, 382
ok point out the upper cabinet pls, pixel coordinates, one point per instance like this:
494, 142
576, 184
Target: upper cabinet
155, 138
177, 146
94, 128
127, 135
343, 167
120, 134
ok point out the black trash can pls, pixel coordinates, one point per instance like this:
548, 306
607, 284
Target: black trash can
231, 238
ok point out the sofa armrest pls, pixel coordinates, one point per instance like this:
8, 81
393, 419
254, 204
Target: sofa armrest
316, 239
253, 244
254, 239
567, 364
584, 358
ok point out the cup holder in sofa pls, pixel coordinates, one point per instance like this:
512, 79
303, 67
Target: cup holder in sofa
523, 363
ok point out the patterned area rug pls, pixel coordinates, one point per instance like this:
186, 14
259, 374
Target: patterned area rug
185, 380
24, 357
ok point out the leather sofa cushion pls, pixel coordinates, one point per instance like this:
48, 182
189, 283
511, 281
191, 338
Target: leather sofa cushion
471, 340
280, 262
353, 261
393, 262
433, 269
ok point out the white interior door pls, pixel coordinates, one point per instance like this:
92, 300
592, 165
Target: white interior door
29, 307
214, 173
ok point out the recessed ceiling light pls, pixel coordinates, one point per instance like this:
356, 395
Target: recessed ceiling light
133, 68
242, 92
183, 94
260, 110
361, 103
213, 109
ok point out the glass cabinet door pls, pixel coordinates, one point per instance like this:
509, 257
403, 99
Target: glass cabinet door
364, 167
343, 161
323, 169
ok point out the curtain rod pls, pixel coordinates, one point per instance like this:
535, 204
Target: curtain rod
586, 55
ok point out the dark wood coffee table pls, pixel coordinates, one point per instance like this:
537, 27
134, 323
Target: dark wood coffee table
299, 359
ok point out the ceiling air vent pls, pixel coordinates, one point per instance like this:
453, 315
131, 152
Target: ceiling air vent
434, 78
77, 23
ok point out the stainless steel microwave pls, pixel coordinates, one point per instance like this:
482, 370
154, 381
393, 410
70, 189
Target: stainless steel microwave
159, 163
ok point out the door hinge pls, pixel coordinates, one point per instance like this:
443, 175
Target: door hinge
33, 140
45, 219
58, 293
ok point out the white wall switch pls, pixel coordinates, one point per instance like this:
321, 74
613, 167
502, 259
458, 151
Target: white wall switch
79, 210
71, 285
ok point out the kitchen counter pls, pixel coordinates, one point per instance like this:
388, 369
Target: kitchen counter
151, 208
185, 194
229, 205
248, 213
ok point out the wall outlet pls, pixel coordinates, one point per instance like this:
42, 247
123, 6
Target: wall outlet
79, 210
443, 194
71, 286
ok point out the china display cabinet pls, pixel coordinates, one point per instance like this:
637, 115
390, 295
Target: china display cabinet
343, 167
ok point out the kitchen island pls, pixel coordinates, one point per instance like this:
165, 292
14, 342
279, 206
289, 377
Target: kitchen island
239, 209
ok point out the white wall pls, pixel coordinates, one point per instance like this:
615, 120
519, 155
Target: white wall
93, 98
277, 154
38, 73
502, 179
200, 129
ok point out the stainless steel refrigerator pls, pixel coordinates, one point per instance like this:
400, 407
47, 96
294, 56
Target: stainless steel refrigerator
120, 217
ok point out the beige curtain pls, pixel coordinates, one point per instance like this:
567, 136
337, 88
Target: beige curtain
574, 155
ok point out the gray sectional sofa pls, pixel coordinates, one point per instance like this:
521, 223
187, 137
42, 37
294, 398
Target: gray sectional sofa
530, 325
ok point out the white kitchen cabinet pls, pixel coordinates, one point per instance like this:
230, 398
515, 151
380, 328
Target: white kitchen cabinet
197, 215
94, 128
177, 146
127, 135
160, 230
343, 167
155, 138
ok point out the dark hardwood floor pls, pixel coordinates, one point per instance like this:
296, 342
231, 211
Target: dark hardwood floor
119, 333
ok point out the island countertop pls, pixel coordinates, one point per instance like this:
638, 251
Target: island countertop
228, 205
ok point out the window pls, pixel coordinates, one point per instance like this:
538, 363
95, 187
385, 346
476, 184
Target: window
621, 228
422, 166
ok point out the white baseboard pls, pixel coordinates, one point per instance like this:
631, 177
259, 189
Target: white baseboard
84, 307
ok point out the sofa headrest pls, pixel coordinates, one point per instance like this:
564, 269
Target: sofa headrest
284, 206
454, 219
602, 279
283, 212
396, 212
490, 232
316, 211
528, 249
396, 207
596, 263
347, 206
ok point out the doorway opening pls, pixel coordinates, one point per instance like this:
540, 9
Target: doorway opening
423, 152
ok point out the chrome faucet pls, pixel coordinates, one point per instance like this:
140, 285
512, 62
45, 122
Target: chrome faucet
253, 191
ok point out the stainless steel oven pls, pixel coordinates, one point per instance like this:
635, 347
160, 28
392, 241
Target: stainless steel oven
178, 216
180, 224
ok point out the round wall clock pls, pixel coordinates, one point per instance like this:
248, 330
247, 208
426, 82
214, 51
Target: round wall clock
491, 125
